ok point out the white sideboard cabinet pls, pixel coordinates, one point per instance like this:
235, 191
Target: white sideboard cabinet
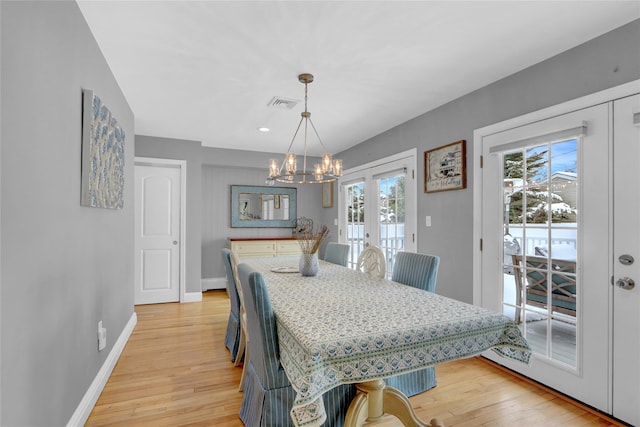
264, 247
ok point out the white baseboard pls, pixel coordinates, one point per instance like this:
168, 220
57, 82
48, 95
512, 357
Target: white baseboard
82, 412
192, 297
214, 283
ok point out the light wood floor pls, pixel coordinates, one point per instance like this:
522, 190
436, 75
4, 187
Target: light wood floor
175, 371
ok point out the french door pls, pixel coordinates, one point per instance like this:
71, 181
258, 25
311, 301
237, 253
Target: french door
377, 206
561, 245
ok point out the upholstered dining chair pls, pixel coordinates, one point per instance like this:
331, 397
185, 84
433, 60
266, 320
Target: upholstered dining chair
232, 337
371, 261
268, 395
243, 346
336, 253
419, 271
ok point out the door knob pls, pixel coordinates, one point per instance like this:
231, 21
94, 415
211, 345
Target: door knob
175, 242
625, 283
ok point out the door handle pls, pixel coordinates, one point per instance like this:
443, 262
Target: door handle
625, 283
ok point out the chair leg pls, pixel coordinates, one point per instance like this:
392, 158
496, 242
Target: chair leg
241, 349
244, 367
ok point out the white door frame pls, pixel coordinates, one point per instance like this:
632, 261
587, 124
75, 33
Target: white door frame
603, 97
182, 165
626, 229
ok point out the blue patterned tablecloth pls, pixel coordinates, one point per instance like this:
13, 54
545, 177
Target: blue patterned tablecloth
343, 326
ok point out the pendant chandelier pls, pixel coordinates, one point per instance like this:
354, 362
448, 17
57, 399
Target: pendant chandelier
326, 171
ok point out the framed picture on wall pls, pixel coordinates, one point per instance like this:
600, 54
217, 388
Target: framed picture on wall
445, 168
327, 194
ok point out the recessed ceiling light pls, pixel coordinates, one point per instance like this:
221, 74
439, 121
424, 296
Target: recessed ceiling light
263, 129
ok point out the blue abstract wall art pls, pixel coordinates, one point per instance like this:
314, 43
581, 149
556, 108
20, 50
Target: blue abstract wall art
102, 155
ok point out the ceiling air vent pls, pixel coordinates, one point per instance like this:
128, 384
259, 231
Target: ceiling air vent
280, 102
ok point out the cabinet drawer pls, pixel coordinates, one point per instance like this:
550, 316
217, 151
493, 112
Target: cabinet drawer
288, 247
266, 248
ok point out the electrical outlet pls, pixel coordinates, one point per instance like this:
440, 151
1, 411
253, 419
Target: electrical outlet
102, 336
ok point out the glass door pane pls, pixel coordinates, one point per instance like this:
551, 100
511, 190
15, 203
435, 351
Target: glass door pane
391, 214
540, 217
355, 220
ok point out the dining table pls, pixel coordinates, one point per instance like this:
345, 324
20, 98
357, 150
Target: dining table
343, 326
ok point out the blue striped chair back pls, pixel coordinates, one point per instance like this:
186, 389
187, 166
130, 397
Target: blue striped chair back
337, 253
232, 337
261, 322
417, 270
268, 396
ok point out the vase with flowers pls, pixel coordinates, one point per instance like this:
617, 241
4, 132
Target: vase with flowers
310, 241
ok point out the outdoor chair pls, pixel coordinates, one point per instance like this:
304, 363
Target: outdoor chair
536, 271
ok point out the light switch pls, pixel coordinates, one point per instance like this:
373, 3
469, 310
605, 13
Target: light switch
335, 221
427, 220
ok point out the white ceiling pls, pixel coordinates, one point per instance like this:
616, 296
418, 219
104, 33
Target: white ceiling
205, 70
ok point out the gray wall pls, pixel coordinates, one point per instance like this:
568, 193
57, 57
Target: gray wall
165, 148
216, 207
64, 266
210, 172
607, 61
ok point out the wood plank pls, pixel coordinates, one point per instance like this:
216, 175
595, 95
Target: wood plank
175, 370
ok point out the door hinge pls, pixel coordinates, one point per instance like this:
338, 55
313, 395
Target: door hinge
340, 232
480, 244
481, 162
413, 174
414, 237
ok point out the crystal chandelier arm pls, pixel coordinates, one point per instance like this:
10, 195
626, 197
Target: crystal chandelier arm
306, 126
295, 134
291, 144
318, 136
335, 165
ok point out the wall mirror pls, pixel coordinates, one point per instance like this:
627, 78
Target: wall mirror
255, 206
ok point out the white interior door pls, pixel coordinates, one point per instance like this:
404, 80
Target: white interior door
626, 299
546, 245
377, 206
157, 228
